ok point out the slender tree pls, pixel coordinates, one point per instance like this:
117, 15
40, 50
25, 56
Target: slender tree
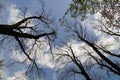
98, 54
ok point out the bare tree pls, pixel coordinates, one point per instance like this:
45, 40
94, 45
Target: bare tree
91, 48
28, 35
96, 53
72, 64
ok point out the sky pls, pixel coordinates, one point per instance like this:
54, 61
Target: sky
56, 8
10, 14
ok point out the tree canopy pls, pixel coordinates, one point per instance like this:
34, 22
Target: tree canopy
85, 7
88, 49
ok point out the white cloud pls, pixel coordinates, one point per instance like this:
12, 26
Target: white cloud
13, 14
18, 56
17, 76
109, 42
46, 60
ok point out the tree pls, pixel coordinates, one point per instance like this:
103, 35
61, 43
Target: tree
25, 35
96, 52
83, 8
84, 51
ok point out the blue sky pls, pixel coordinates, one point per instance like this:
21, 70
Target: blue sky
57, 9
10, 14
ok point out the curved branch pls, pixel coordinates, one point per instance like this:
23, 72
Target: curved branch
19, 42
15, 26
30, 36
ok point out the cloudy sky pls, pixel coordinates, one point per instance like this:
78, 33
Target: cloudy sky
9, 14
57, 8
